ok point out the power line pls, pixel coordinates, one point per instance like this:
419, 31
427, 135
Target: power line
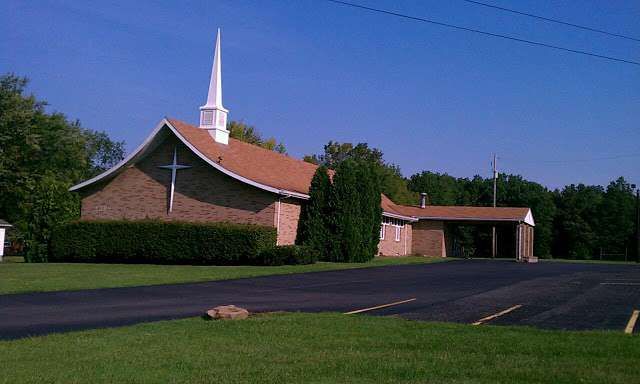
531, 42
551, 20
569, 161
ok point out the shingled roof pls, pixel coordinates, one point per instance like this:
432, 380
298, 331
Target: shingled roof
245, 162
255, 163
286, 175
460, 213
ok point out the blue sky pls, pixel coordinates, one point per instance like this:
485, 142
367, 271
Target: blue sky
309, 71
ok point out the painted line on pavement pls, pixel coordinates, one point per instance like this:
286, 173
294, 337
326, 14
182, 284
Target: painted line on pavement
379, 307
619, 283
496, 315
632, 322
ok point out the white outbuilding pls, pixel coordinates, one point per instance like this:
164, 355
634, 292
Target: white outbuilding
3, 227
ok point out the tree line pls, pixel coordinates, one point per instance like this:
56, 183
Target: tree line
43, 154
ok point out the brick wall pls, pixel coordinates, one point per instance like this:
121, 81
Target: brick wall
390, 247
428, 238
202, 193
288, 224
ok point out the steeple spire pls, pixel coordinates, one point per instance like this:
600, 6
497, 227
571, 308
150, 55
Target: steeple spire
213, 116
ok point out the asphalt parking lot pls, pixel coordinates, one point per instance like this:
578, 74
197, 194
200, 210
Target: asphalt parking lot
545, 295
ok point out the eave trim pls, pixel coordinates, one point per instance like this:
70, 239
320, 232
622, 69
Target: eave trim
445, 218
397, 216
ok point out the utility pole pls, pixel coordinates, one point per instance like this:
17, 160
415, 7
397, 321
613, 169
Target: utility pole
637, 225
493, 228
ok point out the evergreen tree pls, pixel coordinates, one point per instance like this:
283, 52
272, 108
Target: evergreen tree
345, 219
313, 229
371, 212
355, 213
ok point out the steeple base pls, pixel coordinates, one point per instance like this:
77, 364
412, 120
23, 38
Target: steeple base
219, 135
214, 119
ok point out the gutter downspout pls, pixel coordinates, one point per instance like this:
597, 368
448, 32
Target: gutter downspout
405, 239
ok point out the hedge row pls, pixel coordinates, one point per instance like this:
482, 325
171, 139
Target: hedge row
287, 254
159, 242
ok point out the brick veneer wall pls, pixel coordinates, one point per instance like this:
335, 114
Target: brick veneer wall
289, 218
428, 238
390, 247
202, 193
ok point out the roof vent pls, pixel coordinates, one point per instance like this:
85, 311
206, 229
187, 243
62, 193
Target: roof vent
423, 200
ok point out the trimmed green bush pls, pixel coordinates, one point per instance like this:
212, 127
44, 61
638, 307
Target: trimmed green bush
287, 254
158, 242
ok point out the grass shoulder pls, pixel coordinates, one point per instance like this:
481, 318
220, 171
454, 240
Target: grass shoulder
321, 348
18, 277
591, 261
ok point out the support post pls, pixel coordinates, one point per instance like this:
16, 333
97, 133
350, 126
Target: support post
518, 242
638, 225
494, 244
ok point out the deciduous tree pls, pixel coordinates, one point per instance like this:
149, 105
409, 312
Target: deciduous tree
249, 134
41, 155
392, 183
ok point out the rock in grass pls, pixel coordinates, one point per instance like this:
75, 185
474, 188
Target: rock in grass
228, 312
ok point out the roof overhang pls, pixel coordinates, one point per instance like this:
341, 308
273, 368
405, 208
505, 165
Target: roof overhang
397, 216
528, 219
152, 141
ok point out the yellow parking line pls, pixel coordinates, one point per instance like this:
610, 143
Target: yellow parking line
632, 321
485, 319
379, 307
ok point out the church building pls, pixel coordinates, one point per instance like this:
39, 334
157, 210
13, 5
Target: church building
198, 173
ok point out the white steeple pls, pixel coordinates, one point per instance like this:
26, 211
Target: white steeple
213, 116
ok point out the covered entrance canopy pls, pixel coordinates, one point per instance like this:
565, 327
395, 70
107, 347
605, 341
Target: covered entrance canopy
432, 234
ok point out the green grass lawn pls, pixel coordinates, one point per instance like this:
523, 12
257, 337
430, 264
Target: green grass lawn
593, 261
26, 277
321, 348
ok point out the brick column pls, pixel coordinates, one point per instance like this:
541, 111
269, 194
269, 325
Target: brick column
521, 242
524, 242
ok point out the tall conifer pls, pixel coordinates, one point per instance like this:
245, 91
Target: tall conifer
369, 185
355, 212
345, 218
313, 229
